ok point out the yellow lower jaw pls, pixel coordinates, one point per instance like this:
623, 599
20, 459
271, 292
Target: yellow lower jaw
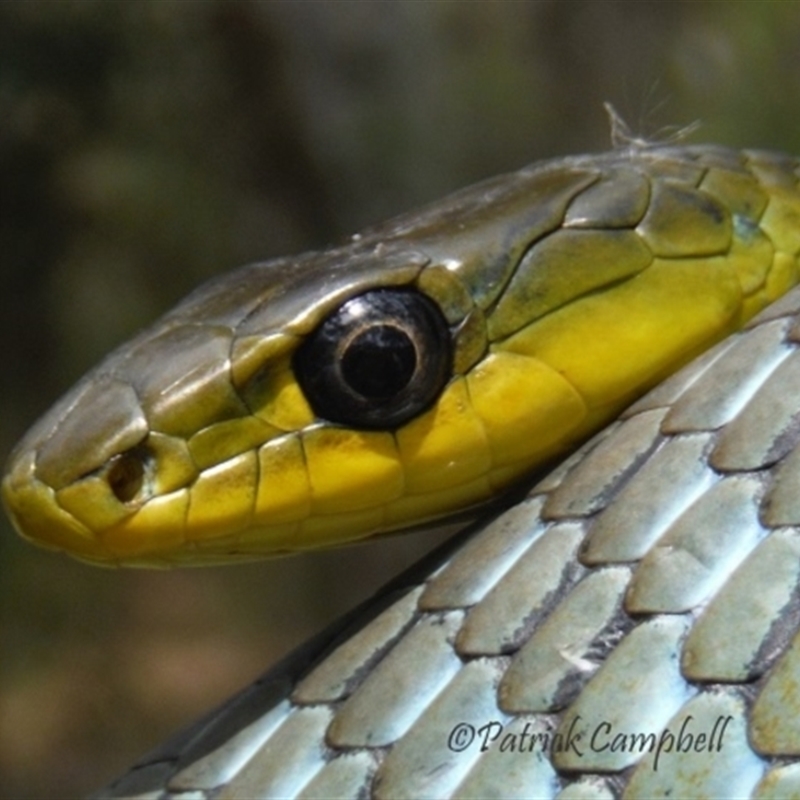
329, 485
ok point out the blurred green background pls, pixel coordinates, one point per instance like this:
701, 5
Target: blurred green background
145, 146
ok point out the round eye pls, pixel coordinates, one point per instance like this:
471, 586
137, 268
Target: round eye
377, 361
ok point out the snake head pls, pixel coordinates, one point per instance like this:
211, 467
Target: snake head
417, 371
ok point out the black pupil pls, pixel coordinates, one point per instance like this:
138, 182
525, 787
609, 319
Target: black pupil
379, 362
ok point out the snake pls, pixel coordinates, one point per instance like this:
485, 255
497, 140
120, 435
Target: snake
442, 366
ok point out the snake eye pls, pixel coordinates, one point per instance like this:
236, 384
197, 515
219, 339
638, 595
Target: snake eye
377, 361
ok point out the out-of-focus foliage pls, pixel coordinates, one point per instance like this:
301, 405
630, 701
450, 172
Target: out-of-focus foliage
146, 146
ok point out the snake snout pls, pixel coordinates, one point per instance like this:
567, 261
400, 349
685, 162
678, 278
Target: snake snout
56, 468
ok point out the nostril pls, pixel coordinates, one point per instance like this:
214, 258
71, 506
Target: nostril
126, 474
